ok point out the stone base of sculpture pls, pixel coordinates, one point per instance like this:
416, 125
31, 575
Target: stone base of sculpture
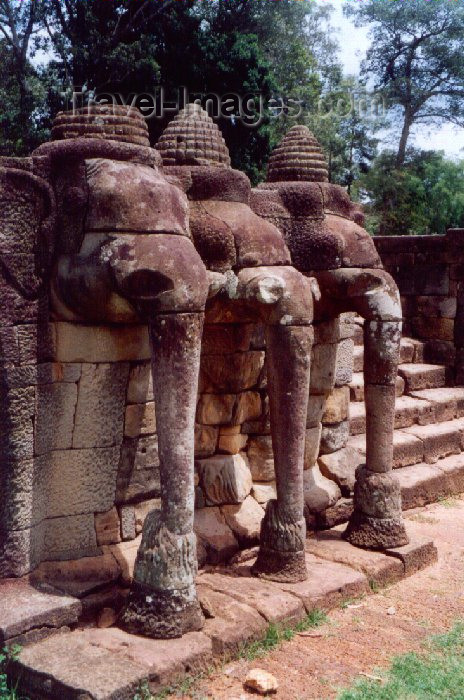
281, 554
377, 521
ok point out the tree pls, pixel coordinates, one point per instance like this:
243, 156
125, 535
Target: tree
425, 196
416, 58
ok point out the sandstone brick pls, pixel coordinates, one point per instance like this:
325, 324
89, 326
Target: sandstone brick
232, 374
312, 444
226, 338
264, 492
316, 403
100, 405
422, 484
37, 343
127, 520
54, 417
344, 362
9, 342
206, 438
215, 409
336, 407
438, 306
244, 520
340, 466
422, 376
108, 527
261, 458
82, 343
140, 386
140, 419
211, 528
433, 327
141, 511
439, 440
232, 444
319, 492
224, 479
248, 407
334, 437
323, 361
138, 469
69, 537
125, 554
78, 577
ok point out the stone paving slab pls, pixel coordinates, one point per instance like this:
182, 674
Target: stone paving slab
109, 664
25, 607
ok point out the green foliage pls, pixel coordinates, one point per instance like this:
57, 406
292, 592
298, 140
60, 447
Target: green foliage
416, 58
7, 693
436, 673
277, 634
426, 195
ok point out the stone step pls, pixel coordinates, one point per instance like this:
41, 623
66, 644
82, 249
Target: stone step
357, 386
427, 483
422, 407
407, 353
421, 376
421, 443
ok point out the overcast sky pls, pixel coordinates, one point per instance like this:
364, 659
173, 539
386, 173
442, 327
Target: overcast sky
353, 44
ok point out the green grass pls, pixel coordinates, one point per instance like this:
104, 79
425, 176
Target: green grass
276, 634
437, 672
6, 692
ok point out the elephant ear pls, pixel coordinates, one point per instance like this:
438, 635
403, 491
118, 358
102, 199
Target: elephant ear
27, 224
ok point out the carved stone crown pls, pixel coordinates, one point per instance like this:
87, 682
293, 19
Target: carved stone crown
298, 157
106, 122
192, 138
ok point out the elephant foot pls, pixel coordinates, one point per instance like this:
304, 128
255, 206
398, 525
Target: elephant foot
377, 521
281, 554
162, 602
375, 533
286, 567
161, 614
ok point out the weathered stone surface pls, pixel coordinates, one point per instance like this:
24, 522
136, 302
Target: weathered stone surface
422, 484
438, 440
336, 406
316, 404
224, 479
248, 407
215, 409
416, 555
141, 511
421, 376
319, 492
261, 682
377, 567
244, 520
267, 598
107, 663
344, 362
312, 444
211, 528
264, 492
69, 537
127, 518
229, 623
340, 466
138, 470
82, 343
108, 527
334, 437
226, 338
78, 481
232, 444
323, 362
24, 607
261, 458
140, 419
140, 386
237, 372
78, 577
106, 618
100, 405
328, 583
54, 417
125, 554
206, 438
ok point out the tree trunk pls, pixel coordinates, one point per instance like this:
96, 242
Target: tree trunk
407, 123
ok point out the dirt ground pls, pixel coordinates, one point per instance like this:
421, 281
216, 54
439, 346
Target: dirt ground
366, 633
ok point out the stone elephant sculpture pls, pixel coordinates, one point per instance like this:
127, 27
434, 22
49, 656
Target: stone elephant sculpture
324, 233
135, 241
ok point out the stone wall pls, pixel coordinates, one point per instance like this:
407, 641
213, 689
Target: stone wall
80, 470
429, 271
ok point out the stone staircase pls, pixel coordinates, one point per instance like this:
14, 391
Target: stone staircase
428, 442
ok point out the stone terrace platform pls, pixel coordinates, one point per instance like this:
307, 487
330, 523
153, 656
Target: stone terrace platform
69, 653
